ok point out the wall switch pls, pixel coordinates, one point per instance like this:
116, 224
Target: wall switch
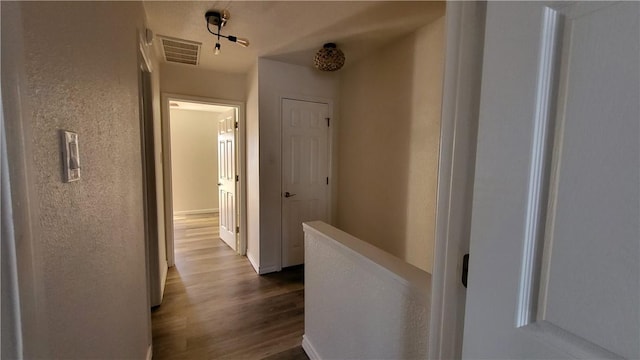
70, 156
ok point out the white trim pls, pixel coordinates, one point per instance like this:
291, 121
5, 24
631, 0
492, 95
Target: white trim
195, 212
308, 348
253, 262
149, 352
9, 270
142, 44
268, 269
167, 180
151, 220
163, 278
240, 168
460, 105
146, 62
541, 148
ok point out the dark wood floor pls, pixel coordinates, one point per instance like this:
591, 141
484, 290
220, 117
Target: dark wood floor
215, 305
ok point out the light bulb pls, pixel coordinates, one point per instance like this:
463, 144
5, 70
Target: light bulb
242, 42
216, 50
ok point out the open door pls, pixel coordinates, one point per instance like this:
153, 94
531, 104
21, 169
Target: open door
227, 200
555, 237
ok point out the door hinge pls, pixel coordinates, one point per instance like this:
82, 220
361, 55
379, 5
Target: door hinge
237, 229
328, 122
465, 269
237, 177
327, 180
236, 124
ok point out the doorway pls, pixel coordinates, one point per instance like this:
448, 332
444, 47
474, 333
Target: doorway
204, 160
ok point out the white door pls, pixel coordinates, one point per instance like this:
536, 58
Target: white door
555, 237
305, 173
227, 176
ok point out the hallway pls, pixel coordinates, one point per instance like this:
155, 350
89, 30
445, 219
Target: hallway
216, 306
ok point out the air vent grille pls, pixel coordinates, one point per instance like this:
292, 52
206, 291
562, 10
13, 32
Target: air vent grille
181, 51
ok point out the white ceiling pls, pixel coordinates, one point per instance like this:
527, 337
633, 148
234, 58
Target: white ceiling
289, 31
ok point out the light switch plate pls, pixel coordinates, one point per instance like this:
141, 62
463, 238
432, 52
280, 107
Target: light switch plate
70, 156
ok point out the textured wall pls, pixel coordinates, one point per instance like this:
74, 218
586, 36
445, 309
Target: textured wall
193, 81
389, 141
194, 160
360, 302
81, 75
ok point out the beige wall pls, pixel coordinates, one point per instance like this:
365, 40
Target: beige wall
194, 160
389, 140
253, 169
194, 81
86, 289
275, 80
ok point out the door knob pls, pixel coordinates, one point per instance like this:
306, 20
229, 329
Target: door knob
288, 194
219, 184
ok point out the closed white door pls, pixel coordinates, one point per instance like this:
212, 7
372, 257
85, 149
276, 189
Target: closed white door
227, 177
305, 173
555, 237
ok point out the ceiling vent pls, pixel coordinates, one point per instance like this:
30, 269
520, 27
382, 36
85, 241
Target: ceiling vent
180, 51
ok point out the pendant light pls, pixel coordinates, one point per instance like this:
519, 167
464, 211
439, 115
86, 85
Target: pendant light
329, 58
219, 19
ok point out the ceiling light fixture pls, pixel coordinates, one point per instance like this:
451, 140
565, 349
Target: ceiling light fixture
329, 58
220, 19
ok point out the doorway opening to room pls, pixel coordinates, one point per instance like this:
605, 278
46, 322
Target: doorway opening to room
204, 160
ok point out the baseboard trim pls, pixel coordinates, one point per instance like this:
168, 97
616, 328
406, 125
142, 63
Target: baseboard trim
149, 352
253, 263
163, 279
261, 270
308, 348
268, 269
195, 212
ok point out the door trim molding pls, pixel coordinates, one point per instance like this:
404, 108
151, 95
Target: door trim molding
458, 138
166, 159
149, 191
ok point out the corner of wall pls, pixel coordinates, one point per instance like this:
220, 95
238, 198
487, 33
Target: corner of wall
252, 163
276, 80
408, 156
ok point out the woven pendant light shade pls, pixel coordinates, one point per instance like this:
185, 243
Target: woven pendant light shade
329, 58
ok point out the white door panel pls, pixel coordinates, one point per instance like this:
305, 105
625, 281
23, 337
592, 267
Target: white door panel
555, 239
305, 171
227, 177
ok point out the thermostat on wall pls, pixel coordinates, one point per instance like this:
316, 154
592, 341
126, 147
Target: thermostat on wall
70, 156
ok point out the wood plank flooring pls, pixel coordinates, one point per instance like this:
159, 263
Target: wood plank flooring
215, 306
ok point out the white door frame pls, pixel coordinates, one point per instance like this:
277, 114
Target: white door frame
154, 276
331, 198
458, 139
166, 159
